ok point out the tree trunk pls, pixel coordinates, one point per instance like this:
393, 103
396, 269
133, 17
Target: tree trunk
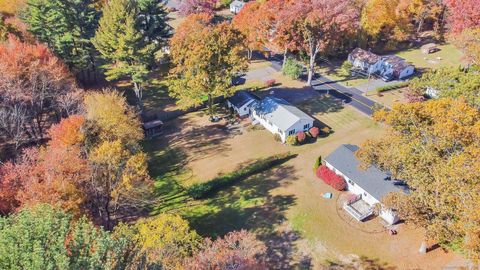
138, 92
210, 105
311, 66
249, 54
285, 52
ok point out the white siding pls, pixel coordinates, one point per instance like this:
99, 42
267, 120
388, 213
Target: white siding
386, 214
406, 72
242, 111
298, 126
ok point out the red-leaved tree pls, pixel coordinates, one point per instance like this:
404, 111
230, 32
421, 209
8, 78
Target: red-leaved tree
301, 136
331, 178
188, 7
238, 250
35, 87
314, 131
463, 14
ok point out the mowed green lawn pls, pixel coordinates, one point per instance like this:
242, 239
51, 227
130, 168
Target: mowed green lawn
447, 56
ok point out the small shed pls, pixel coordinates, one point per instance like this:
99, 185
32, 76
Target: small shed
429, 48
236, 6
152, 128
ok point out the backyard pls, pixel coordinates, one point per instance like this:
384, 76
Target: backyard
283, 205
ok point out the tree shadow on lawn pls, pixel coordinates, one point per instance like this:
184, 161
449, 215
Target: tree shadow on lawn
251, 205
360, 263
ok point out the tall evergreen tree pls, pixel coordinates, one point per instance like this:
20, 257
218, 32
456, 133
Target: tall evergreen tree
129, 35
67, 26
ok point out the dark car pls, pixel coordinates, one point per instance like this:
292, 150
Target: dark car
387, 78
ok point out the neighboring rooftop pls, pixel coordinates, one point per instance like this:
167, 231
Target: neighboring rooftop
397, 62
281, 113
152, 124
365, 56
372, 180
237, 3
241, 98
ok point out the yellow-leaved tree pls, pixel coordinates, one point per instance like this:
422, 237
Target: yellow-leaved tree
119, 182
434, 146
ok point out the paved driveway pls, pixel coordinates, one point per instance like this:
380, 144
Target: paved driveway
374, 84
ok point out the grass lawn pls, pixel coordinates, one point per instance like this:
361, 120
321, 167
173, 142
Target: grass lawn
447, 56
283, 206
388, 98
332, 71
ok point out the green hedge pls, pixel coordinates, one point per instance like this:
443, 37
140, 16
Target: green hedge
391, 87
292, 68
202, 190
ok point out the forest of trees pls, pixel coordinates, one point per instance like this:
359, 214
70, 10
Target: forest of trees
72, 166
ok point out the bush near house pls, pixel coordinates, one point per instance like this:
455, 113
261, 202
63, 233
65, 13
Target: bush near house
331, 178
270, 83
318, 161
301, 136
326, 131
345, 69
292, 68
314, 131
391, 87
291, 140
202, 190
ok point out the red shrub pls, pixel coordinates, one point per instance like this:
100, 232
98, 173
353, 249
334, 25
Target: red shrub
314, 132
331, 178
270, 83
301, 136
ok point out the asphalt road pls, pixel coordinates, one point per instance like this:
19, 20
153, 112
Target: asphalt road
322, 84
350, 96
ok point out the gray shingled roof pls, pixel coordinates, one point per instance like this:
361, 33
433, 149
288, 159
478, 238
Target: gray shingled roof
371, 180
280, 113
241, 98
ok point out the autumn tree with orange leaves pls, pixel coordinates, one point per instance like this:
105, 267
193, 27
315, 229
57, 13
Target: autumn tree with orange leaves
36, 90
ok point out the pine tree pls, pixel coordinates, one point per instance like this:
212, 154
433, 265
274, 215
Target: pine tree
67, 27
129, 35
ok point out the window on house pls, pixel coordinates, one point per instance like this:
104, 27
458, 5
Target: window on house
291, 132
351, 182
365, 194
306, 126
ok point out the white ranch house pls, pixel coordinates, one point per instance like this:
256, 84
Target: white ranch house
389, 65
365, 60
369, 185
397, 67
280, 117
242, 102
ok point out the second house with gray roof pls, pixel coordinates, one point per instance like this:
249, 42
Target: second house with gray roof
370, 186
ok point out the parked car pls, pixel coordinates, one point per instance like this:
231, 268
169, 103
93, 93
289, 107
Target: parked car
387, 78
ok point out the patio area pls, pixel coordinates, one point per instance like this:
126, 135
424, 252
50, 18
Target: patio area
359, 209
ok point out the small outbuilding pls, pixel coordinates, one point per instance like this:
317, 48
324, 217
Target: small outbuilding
241, 102
429, 48
236, 6
152, 128
369, 186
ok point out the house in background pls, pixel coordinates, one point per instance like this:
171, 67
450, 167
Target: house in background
236, 6
369, 186
365, 60
241, 102
396, 67
280, 117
